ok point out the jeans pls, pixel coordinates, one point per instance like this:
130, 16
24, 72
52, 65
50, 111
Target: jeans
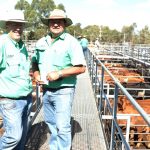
15, 114
57, 112
85, 52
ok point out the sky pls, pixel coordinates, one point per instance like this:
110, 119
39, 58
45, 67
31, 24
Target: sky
112, 13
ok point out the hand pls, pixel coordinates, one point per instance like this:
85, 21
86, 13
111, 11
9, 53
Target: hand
38, 80
52, 76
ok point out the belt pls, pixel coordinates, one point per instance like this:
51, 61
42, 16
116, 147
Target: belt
55, 89
4, 98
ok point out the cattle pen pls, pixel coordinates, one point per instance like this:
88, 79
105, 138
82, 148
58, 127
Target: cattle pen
120, 80
111, 109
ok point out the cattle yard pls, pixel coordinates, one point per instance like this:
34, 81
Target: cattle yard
120, 77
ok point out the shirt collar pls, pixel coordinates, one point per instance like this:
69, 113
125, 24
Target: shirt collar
18, 45
61, 36
13, 41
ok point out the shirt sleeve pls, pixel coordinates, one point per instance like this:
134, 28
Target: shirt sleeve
76, 53
38, 47
2, 54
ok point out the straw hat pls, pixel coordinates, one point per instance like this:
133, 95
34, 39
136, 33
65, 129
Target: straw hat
13, 16
57, 14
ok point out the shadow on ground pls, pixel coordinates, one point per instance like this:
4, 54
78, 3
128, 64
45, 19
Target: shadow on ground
37, 136
76, 128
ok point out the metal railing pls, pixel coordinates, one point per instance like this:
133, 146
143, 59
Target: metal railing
38, 104
117, 139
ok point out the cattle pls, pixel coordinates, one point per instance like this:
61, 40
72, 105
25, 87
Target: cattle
122, 74
138, 125
146, 137
137, 122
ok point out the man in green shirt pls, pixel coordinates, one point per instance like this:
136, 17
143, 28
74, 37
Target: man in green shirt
57, 61
15, 82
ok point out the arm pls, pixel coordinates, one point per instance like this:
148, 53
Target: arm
75, 70
36, 72
2, 54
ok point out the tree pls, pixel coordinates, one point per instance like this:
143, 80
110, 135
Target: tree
91, 32
42, 8
75, 30
22, 5
34, 12
144, 35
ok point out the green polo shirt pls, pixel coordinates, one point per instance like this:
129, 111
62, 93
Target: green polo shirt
15, 81
62, 53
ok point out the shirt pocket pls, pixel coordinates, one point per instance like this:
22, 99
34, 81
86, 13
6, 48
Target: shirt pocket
13, 68
24, 69
9, 105
60, 59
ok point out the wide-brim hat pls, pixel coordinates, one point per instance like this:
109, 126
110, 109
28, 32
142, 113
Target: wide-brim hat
14, 16
57, 14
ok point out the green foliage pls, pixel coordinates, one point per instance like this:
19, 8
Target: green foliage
42, 8
144, 35
61, 6
75, 30
22, 5
40, 33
